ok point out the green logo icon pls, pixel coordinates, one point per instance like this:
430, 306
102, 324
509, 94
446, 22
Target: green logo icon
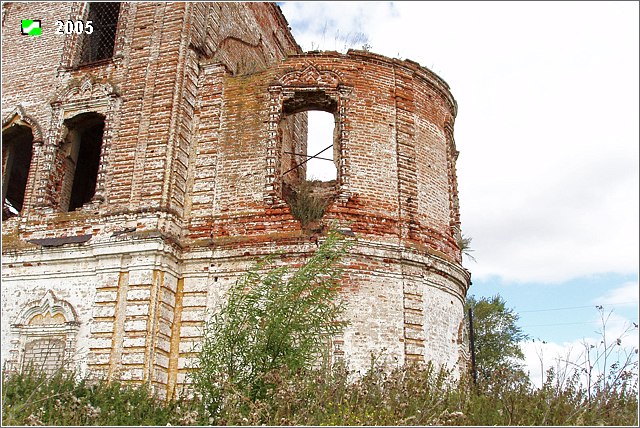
31, 27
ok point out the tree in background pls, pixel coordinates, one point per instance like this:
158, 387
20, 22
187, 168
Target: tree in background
275, 321
497, 336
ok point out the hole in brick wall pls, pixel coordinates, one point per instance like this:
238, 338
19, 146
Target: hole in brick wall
309, 149
84, 144
17, 150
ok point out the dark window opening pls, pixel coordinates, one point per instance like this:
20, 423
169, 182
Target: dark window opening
17, 150
99, 44
83, 159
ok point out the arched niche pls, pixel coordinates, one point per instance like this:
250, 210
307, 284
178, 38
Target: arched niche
47, 330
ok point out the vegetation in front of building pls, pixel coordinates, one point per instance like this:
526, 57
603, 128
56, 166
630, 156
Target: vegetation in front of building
275, 320
258, 365
408, 395
34, 397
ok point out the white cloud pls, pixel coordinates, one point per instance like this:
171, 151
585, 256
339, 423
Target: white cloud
547, 126
326, 26
321, 126
625, 295
565, 357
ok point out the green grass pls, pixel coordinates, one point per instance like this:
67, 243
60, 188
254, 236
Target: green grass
306, 205
35, 398
405, 396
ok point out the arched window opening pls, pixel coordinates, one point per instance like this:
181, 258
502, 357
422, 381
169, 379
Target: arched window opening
310, 155
83, 148
99, 44
17, 151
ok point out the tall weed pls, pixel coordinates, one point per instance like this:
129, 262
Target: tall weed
33, 397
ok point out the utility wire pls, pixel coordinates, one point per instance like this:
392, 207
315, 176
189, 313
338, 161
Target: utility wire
566, 308
553, 325
572, 307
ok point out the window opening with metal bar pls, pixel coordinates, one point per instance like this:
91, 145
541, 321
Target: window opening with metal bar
308, 163
312, 157
99, 45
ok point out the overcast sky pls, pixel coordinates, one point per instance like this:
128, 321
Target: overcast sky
547, 130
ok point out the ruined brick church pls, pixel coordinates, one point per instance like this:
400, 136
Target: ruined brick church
149, 163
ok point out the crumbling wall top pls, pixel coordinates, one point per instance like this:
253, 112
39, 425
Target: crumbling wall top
422, 72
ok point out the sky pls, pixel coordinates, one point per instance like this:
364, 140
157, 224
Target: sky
547, 129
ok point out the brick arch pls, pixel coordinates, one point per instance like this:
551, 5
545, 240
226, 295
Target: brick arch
19, 117
296, 100
20, 161
86, 92
311, 76
87, 95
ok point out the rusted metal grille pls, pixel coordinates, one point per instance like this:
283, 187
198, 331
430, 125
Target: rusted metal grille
99, 44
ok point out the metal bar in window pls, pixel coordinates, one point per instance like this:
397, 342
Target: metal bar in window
308, 159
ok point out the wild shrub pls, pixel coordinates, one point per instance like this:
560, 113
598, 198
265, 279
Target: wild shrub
275, 320
33, 397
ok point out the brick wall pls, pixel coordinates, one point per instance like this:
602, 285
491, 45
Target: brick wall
396, 159
200, 103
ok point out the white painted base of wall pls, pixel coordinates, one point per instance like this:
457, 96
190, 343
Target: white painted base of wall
139, 304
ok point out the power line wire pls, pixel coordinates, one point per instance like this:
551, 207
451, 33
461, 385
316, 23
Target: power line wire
553, 325
572, 307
